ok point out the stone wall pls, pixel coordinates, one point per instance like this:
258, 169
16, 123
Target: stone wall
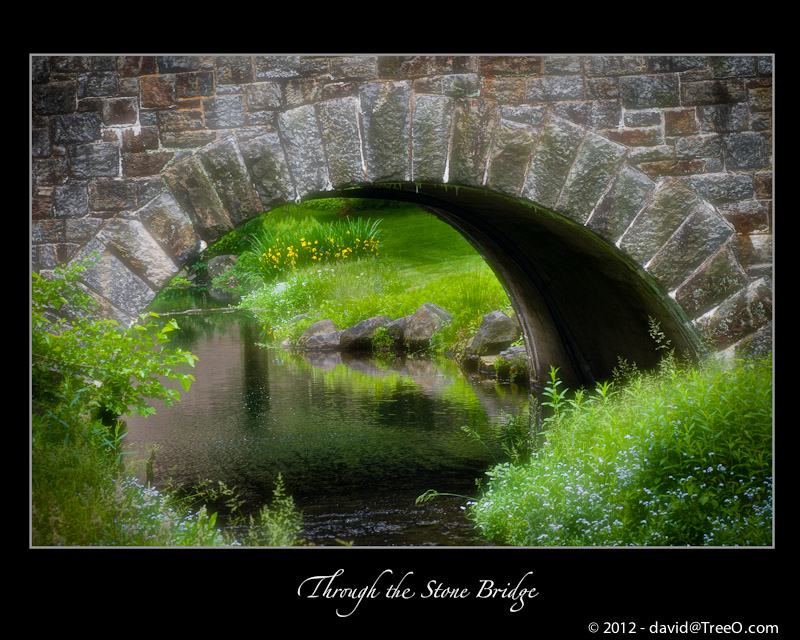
147, 159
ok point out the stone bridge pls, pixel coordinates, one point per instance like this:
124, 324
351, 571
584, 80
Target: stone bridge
602, 189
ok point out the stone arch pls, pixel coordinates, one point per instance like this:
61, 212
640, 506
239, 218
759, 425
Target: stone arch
518, 176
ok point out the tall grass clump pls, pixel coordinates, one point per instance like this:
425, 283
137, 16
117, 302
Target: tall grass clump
681, 456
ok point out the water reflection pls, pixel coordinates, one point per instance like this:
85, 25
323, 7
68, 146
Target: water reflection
356, 439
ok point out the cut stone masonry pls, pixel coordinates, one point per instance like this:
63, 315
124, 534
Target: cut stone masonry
149, 159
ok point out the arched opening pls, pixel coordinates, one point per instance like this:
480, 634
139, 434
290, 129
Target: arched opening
581, 302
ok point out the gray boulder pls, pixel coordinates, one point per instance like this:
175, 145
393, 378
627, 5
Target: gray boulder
319, 327
397, 329
496, 333
423, 323
330, 341
359, 336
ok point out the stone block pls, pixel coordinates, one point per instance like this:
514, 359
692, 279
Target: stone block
181, 120
47, 232
760, 98
133, 66
721, 188
157, 91
266, 162
139, 139
170, 226
525, 113
432, 117
98, 84
644, 92
224, 112
263, 95
748, 150
354, 67
339, 123
112, 195
719, 277
711, 92
642, 118
195, 195
602, 88
700, 235
747, 217
554, 154
94, 160
71, 200
81, 230
178, 64
671, 204
680, 122
579, 112
604, 114
752, 251
234, 69
702, 146
40, 69
638, 137
187, 139
503, 89
137, 165
626, 196
193, 85
738, 316
133, 244
509, 65
304, 151
473, 124
386, 118
75, 128
733, 66
116, 283
117, 111
225, 168
554, 88
562, 65
288, 66
724, 118
666, 168
40, 143
614, 65
510, 156
595, 165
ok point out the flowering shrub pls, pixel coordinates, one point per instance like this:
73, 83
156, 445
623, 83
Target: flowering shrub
682, 457
278, 252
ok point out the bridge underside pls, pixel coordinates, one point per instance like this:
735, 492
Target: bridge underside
581, 302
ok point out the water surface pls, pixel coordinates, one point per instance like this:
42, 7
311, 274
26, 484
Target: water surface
356, 439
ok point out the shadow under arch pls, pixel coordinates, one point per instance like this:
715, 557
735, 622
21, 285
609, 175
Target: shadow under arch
581, 302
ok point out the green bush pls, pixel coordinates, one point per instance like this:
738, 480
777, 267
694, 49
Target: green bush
91, 369
85, 374
677, 457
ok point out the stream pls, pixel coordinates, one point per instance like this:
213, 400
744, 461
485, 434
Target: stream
356, 439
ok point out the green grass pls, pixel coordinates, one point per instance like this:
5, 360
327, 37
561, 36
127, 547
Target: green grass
82, 497
421, 259
679, 457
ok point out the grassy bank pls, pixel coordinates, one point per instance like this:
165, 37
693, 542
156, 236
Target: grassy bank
682, 456
412, 258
